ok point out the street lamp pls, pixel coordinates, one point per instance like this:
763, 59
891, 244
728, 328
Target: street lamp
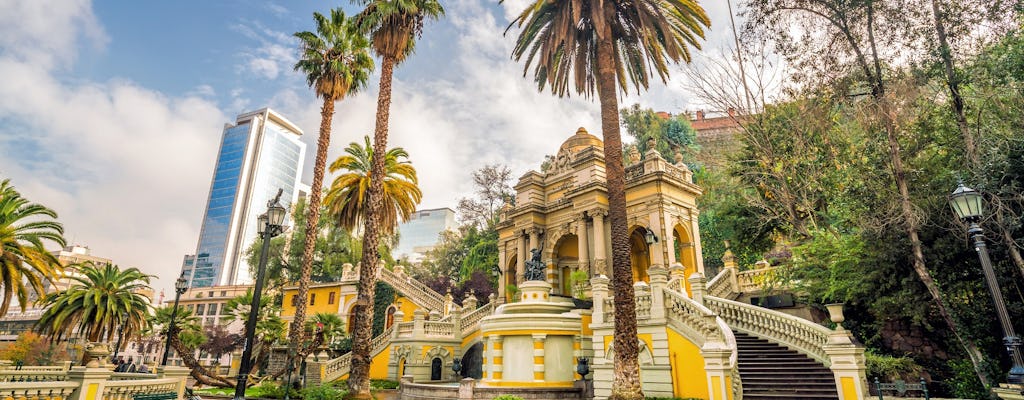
269, 225
967, 204
180, 286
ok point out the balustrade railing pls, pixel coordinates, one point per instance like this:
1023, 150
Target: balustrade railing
128, 376
338, 367
128, 389
721, 284
643, 306
420, 293
23, 375
752, 280
688, 315
439, 329
405, 329
634, 171
796, 333
61, 390
471, 321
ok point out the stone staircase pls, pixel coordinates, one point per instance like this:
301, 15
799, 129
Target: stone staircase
770, 371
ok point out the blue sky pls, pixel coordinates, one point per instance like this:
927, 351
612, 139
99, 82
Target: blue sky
111, 112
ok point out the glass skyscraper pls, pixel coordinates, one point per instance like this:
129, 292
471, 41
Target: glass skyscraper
421, 232
258, 155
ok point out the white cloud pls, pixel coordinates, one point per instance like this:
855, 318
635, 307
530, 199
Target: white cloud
275, 52
45, 32
115, 160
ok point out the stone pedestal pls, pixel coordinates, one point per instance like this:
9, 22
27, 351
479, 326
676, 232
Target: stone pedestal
532, 343
1007, 391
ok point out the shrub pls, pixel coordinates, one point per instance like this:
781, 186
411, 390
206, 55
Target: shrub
323, 392
272, 390
889, 368
507, 397
378, 384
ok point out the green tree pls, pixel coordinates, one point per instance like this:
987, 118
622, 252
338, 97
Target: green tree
394, 27
25, 228
671, 133
336, 63
32, 349
330, 324
346, 197
335, 246
102, 300
600, 45
186, 337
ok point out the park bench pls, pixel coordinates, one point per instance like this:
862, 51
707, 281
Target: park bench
156, 396
901, 387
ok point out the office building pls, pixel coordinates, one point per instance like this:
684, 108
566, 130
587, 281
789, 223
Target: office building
421, 233
259, 154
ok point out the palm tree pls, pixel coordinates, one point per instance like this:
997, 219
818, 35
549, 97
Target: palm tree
186, 336
394, 27
331, 324
24, 229
102, 300
346, 197
603, 44
336, 62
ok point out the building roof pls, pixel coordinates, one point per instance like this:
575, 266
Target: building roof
581, 140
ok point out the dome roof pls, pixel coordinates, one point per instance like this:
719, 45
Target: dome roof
581, 140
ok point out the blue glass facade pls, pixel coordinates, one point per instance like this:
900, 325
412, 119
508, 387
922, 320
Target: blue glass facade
257, 157
217, 224
422, 230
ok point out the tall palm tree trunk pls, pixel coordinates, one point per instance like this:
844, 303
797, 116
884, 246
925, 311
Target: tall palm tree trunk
362, 323
296, 331
626, 384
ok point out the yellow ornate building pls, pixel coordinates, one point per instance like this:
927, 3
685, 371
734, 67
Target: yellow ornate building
697, 337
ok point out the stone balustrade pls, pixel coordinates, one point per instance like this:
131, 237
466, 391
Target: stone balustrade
721, 285
23, 375
420, 293
471, 321
334, 369
753, 280
796, 333
88, 383
130, 376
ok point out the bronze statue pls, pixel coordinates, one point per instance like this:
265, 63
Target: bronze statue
535, 270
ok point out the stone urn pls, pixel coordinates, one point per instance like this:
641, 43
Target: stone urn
98, 353
835, 312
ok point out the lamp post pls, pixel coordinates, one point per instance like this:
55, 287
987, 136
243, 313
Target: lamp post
120, 336
269, 225
967, 203
180, 286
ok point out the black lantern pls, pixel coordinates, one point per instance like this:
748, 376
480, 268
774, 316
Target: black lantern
180, 287
966, 203
457, 366
583, 367
650, 237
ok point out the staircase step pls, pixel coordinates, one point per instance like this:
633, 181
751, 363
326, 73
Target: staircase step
770, 371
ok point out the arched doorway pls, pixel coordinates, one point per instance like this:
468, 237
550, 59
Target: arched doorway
566, 257
639, 255
473, 362
511, 279
435, 368
390, 320
685, 252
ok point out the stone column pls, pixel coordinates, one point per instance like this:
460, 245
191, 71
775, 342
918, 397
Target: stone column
179, 373
599, 289
659, 280
90, 382
418, 323
502, 265
695, 237
520, 258
657, 249
718, 370
582, 241
534, 240
488, 359
599, 258
697, 287
538, 356
847, 362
